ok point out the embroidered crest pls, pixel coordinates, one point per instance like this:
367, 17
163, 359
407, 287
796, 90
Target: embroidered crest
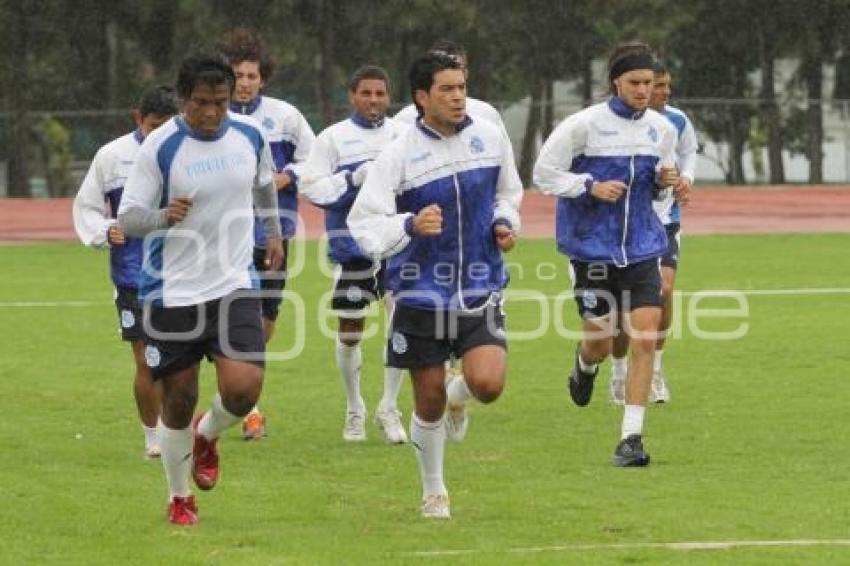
399, 343
268, 124
127, 319
152, 357
476, 145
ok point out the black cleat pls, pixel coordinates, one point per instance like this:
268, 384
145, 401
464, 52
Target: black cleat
581, 383
630, 453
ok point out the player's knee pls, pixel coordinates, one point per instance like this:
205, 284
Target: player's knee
489, 390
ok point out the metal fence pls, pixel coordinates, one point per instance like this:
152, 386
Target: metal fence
61, 144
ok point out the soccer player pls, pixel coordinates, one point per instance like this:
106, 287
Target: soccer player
606, 164
290, 138
442, 204
95, 210
669, 212
192, 193
334, 173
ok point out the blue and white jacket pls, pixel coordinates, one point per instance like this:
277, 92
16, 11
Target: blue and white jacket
290, 138
96, 207
686, 160
607, 141
326, 178
472, 177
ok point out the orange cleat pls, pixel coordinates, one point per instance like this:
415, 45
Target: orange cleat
183, 511
254, 426
204, 459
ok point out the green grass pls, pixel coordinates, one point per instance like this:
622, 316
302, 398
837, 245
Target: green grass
752, 446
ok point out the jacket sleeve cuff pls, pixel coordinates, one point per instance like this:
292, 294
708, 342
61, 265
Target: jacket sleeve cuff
408, 226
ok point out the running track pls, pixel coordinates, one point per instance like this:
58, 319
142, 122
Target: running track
713, 210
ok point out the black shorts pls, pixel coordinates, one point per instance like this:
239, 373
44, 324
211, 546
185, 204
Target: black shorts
129, 314
201, 336
671, 256
600, 287
421, 338
358, 284
271, 282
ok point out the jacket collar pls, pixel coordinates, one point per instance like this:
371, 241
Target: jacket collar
432, 133
246, 108
364, 123
623, 110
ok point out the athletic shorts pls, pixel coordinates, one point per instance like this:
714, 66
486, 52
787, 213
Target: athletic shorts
422, 338
201, 336
601, 287
272, 282
671, 256
129, 314
358, 283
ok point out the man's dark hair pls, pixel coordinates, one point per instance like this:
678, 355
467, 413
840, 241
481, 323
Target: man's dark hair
449, 48
368, 72
160, 99
659, 68
624, 52
242, 44
210, 68
422, 72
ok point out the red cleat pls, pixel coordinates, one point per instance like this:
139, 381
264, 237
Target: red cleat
204, 459
183, 511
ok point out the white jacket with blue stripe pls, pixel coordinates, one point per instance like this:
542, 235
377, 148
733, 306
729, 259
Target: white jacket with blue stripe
607, 141
471, 175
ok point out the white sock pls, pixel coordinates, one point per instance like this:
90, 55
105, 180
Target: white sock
656, 361
429, 441
216, 420
151, 435
620, 367
177, 460
349, 359
392, 385
585, 367
632, 420
457, 392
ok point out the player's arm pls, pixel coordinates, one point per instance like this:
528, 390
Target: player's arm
506, 220
319, 183
303, 139
374, 221
265, 207
686, 151
552, 173
140, 213
91, 220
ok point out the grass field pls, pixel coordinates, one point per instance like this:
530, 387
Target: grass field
753, 446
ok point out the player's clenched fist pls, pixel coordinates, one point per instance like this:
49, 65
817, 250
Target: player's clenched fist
177, 209
429, 221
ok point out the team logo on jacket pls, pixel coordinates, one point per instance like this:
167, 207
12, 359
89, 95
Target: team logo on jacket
268, 124
127, 319
653, 134
476, 145
152, 357
399, 343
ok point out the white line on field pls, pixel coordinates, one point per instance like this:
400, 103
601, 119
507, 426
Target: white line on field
702, 293
693, 545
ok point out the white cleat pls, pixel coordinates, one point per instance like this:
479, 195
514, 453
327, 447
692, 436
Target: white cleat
658, 392
617, 391
152, 452
456, 422
436, 507
355, 427
389, 421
